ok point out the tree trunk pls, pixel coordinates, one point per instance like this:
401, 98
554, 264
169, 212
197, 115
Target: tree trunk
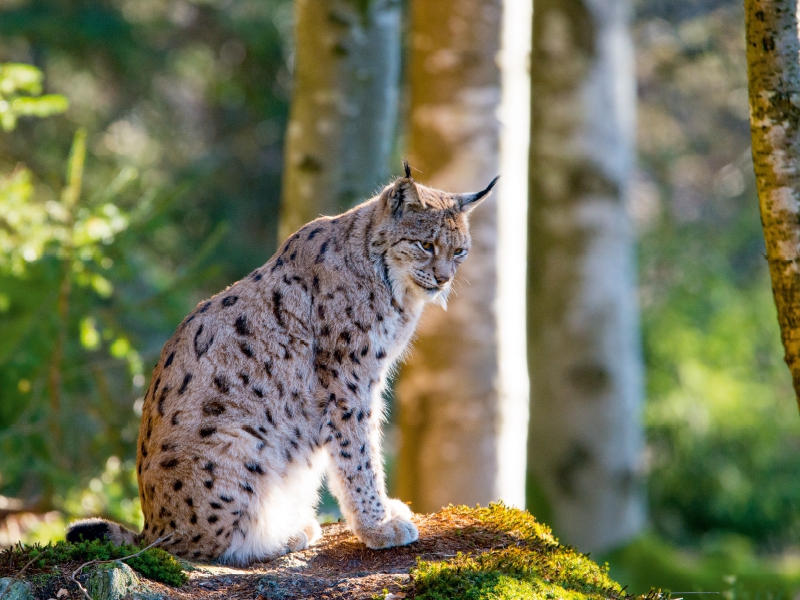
585, 435
344, 106
453, 402
774, 73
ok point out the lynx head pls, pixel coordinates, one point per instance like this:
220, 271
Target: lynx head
425, 236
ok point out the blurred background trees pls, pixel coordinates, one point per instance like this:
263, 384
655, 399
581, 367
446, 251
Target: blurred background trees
585, 442
448, 392
345, 100
184, 107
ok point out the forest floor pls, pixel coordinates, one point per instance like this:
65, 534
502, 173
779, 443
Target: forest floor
338, 567
495, 552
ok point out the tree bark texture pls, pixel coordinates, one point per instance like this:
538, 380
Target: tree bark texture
344, 106
450, 396
773, 58
585, 435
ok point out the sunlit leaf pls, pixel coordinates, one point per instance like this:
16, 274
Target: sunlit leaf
90, 338
43, 106
102, 286
120, 348
77, 156
16, 77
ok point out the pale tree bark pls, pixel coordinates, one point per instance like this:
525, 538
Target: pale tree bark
344, 106
585, 436
773, 59
462, 422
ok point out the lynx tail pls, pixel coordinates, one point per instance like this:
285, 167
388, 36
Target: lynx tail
99, 529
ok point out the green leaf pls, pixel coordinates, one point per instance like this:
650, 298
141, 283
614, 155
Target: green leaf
77, 156
16, 77
44, 106
90, 337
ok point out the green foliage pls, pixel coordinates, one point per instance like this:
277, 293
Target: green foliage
112, 494
721, 420
723, 434
537, 566
20, 95
73, 282
206, 110
727, 565
154, 563
55, 260
171, 193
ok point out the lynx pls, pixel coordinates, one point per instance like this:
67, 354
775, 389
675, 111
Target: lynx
278, 380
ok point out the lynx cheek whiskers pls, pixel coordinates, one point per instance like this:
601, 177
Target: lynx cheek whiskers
278, 380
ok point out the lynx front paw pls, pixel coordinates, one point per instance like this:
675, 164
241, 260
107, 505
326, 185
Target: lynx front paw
397, 531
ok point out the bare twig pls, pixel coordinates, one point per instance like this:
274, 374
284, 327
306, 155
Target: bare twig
74, 576
17, 575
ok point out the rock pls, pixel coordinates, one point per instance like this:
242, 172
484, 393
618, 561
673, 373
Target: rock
115, 581
15, 589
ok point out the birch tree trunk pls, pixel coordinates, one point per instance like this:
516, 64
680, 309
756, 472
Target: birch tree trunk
585, 436
344, 106
773, 59
458, 416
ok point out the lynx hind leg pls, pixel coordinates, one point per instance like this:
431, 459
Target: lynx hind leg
271, 535
282, 518
311, 533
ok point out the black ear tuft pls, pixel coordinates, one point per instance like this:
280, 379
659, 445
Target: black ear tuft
467, 202
406, 168
87, 531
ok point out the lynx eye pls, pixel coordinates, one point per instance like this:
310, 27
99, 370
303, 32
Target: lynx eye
427, 246
458, 251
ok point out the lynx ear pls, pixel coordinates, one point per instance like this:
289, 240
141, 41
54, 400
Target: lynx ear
467, 202
403, 194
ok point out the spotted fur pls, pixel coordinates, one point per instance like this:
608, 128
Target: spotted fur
278, 379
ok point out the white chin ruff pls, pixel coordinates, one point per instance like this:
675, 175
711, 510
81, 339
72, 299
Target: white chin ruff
440, 298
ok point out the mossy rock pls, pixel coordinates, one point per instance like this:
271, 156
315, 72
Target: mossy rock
115, 581
154, 563
529, 563
492, 553
14, 589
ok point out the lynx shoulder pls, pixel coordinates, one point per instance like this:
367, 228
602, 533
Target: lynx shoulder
277, 381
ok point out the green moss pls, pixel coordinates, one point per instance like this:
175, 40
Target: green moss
155, 564
42, 579
528, 563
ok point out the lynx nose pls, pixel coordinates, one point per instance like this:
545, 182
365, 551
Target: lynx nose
443, 273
